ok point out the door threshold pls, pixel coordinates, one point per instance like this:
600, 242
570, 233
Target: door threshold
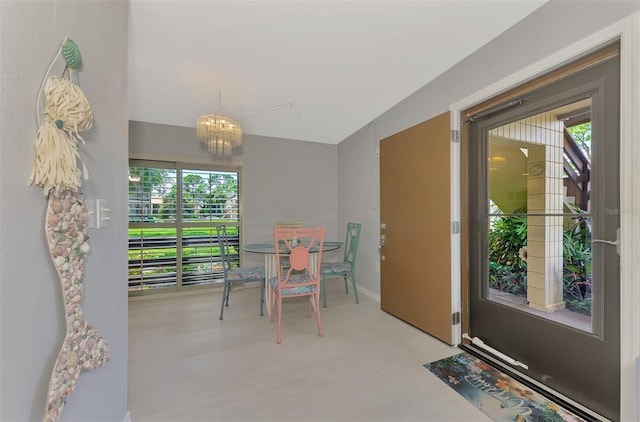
549, 393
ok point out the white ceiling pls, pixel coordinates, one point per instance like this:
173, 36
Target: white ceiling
307, 70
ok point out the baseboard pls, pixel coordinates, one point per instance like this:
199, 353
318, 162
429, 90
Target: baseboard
198, 290
369, 293
217, 289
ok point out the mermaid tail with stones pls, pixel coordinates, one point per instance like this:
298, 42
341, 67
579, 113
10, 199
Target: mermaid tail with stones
67, 223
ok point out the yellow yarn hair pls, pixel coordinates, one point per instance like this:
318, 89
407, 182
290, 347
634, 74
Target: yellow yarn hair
67, 112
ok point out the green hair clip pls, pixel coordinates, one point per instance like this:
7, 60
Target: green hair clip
71, 54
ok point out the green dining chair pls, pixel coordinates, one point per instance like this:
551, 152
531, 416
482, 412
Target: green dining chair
234, 276
346, 268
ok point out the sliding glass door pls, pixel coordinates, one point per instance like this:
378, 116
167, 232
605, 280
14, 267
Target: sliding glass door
173, 209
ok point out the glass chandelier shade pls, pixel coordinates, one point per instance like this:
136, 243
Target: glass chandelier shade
220, 133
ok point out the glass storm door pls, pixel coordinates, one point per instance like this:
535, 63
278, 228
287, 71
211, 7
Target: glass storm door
544, 216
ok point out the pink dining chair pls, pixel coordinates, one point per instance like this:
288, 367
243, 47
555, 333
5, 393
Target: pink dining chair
303, 249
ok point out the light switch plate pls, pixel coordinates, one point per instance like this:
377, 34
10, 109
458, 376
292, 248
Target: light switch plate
103, 213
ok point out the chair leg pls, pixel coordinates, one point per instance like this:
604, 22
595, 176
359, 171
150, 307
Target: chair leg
278, 336
346, 285
272, 304
229, 288
316, 298
225, 297
262, 287
355, 289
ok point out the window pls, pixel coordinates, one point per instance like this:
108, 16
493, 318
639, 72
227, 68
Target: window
173, 208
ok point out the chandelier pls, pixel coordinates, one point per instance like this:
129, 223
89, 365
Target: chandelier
219, 132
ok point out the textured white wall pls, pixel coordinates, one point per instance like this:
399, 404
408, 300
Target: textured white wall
32, 324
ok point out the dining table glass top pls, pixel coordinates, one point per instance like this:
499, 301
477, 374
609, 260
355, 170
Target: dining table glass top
269, 247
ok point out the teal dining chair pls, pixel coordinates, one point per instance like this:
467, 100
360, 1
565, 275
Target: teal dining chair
233, 276
346, 268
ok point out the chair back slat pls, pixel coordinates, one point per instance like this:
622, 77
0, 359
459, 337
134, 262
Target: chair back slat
351, 242
288, 224
223, 242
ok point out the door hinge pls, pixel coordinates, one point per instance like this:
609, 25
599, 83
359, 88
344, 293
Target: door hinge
455, 227
455, 318
455, 136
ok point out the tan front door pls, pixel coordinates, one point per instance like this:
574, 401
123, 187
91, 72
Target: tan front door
415, 221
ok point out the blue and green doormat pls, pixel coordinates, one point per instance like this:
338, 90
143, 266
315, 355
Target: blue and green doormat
496, 394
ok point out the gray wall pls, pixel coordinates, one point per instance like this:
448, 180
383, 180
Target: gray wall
31, 307
282, 180
554, 26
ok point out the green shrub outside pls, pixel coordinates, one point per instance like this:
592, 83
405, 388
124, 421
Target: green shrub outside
508, 255
171, 252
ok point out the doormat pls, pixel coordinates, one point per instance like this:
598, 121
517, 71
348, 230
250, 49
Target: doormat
495, 393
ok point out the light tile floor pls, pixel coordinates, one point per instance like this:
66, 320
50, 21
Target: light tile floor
186, 365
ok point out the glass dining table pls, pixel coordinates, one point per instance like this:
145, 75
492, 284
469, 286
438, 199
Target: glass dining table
271, 264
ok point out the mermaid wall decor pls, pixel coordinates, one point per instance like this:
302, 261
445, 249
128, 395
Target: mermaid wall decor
66, 113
